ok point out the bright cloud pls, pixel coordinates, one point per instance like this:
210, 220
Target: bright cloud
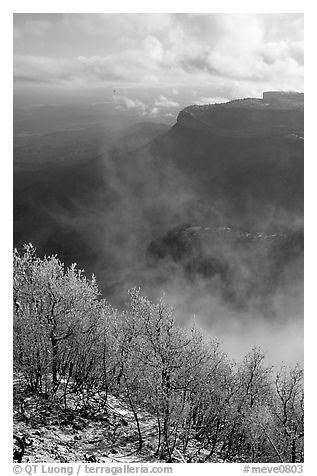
153, 108
230, 54
164, 102
210, 100
129, 103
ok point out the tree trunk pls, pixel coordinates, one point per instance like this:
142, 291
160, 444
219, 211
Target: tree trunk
294, 451
165, 452
159, 435
135, 414
54, 343
214, 442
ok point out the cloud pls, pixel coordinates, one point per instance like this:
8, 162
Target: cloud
89, 71
154, 111
154, 47
129, 103
164, 102
42, 69
242, 53
32, 28
123, 101
210, 100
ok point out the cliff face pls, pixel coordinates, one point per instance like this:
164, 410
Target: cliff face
244, 159
277, 114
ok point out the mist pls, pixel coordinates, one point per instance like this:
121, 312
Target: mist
115, 169
236, 292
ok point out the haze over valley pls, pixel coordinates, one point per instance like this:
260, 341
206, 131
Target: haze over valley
207, 211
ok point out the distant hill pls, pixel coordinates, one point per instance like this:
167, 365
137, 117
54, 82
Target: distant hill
64, 186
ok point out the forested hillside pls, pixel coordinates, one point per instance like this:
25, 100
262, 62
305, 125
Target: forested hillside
106, 380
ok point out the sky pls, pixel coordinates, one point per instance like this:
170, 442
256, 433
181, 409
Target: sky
149, 63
